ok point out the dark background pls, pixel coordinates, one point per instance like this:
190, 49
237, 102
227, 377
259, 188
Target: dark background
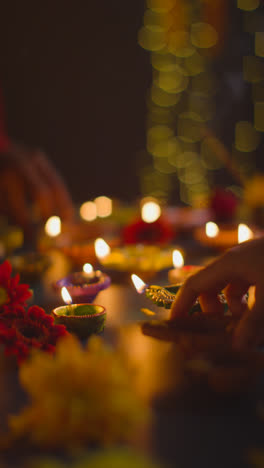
74, 81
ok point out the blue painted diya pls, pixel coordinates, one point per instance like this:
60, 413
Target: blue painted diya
84, 287
83, 320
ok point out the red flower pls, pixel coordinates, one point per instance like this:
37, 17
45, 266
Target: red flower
140, 232
12, 294
20, 331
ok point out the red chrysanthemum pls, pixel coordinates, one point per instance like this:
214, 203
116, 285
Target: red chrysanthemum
20, 331
139, 232
12, 294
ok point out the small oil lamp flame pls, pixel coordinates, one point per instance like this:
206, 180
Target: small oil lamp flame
150, 212
53, 226
177, 259
66, 295
211, 229
138, 283
87, 268
244, 233
88, 211
102, 249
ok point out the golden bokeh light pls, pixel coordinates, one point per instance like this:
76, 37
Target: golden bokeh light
150, 211
53, 226
248, 5
151, 37
259, 44
211, 229
103, 206
88, 211
253, 69
259, 116
246, 137
101, 248
203, 35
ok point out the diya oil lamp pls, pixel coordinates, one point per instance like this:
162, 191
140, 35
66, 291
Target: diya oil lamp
144, 259
223, 237
81, 319
180, 272
83, 286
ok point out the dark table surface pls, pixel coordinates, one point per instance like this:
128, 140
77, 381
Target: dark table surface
196, 428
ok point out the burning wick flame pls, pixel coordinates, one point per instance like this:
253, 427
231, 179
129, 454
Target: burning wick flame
177, 259
150, 212
138, 283
53, 226
244, 233
211, 229
66, 295
102, 249
87, 268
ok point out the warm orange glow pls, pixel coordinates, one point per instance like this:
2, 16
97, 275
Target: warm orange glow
177, 259
102, 249
150, 211
66, 295
244, 233
103, 206
53, 226
138, 283
87, 268
211, 229
88, 211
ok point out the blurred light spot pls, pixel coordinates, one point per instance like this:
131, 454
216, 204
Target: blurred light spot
161, 6
246, 137
162, 62
88, 211
259, 44
151, 38
185, 159
248, 5
163, 99
189, 128
88, 268
194, 174
163, 166
259, 116
177, 259
103, 206
203, 35
179, 44
253, 68
211, 229
53, 226
150, 211
102, 249
173, 81
244, 233
194, 64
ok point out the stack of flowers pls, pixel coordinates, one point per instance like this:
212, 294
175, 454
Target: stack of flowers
23, 329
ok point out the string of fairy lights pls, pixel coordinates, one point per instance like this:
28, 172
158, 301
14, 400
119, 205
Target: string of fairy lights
182, 36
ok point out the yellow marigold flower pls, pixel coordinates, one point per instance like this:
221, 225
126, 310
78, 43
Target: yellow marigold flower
78, 396
254, 191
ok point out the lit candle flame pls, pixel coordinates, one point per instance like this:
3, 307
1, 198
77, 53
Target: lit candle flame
87, 268
103, 206
150, 212
244, 233
53, 226
138, 283
66, 295
88, 211
177, 259
102, 249
211, 229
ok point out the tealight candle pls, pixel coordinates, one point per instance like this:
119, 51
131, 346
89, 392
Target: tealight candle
81, 319
84, 285
180, 272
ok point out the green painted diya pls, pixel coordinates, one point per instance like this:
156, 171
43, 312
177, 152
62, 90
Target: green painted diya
81, 319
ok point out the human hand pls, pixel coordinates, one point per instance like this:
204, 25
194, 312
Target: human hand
27, 177
233, 273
